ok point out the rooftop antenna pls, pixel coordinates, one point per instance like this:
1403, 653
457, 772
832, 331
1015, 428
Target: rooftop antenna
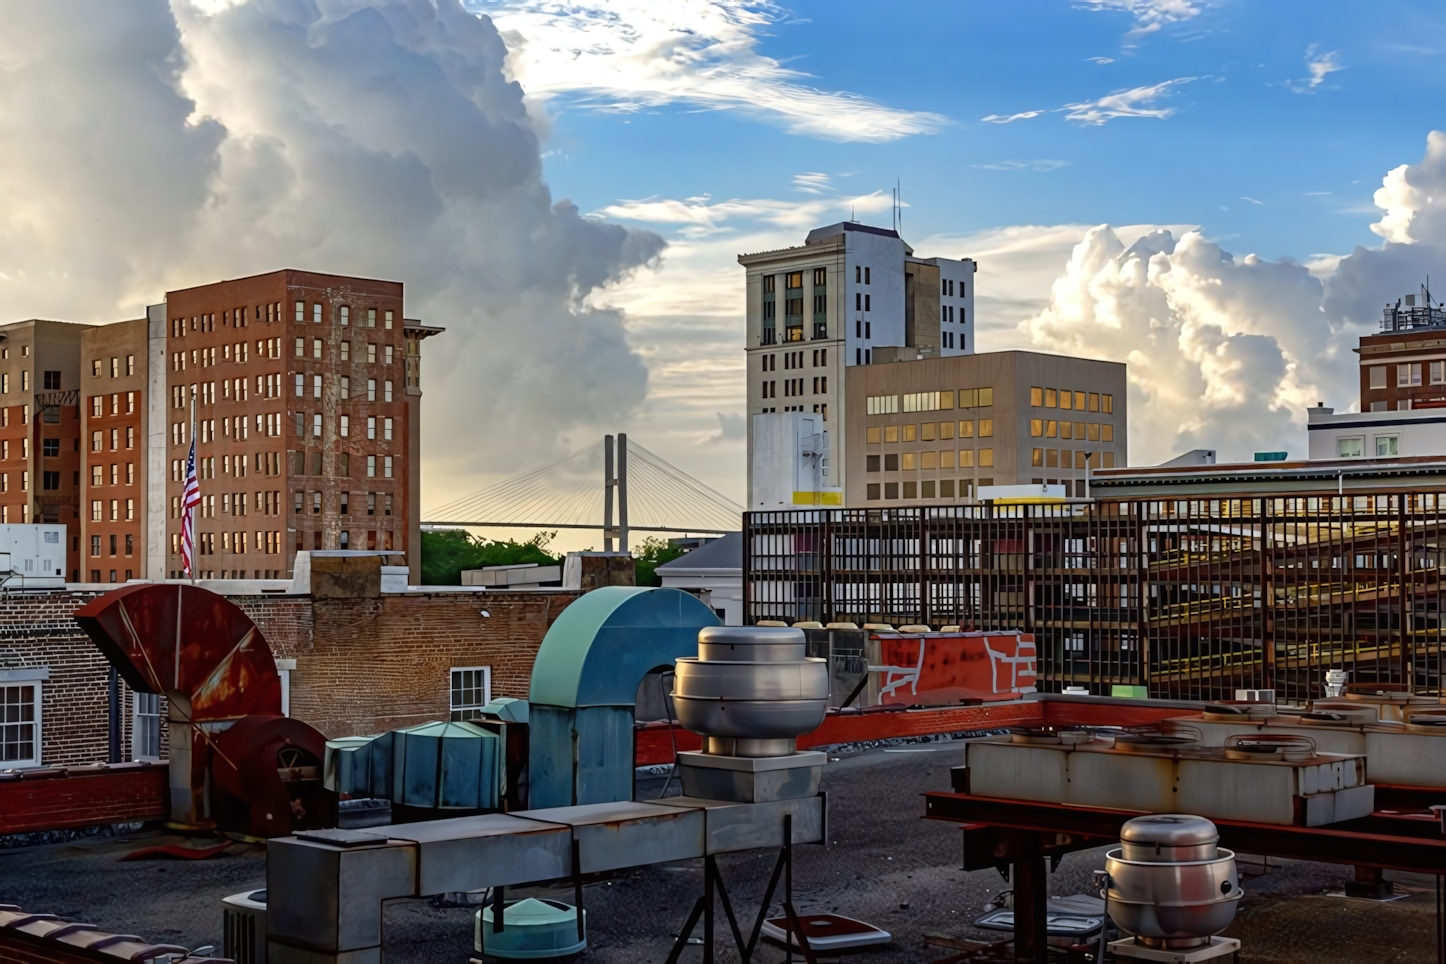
899, 206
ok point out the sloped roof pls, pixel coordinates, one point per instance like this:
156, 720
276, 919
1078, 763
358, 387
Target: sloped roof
725, 552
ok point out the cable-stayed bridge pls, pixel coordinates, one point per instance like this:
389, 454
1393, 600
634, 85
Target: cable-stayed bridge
637, 491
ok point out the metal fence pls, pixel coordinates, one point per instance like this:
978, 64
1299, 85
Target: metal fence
1194, 598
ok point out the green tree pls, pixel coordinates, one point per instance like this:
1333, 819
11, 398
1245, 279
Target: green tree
446, 552
649, 556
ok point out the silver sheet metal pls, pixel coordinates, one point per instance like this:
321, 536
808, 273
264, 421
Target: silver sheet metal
612, 836
489, 850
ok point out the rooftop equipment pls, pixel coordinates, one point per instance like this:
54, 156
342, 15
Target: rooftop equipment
1171, 888
535, 930
750, 693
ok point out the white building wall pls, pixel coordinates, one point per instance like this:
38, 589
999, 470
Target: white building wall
875, 310
1376, 435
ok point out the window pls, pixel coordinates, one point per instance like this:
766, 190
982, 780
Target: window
371, 426
130, 364
387, 391
1066, 399
346, 351
1438, 373
986, 428
315, 386
371, 389
344, 389
301, 348
891, 462
52, 380
316, 425
1107, 404
316, 314
1036, 457
1387, 445
1036, 427
371, 466
986, 458
920, 402
871, 463
882, 404
874, 491
910, 461
1406, 375
1051, 398
387, 429
146, 727
1107, 432
471, 690
873, 435
20, 722
345, 316
344, 426
1350, 448
1036, 397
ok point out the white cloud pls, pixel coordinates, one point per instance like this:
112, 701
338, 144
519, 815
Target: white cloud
1320, 66
150, 149
632, 55
1150, 16
1125, 103
1011, 118
1035, 165
1134, 102
812, 183
1250, 199
1101, 60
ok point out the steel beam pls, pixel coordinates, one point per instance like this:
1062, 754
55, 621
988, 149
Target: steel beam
1377, 840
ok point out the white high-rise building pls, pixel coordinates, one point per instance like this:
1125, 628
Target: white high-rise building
851, 294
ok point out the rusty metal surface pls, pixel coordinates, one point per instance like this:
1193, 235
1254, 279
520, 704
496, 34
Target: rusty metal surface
268, 772
182, 640
1402, 844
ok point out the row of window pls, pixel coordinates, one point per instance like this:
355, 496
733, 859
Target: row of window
97, 439
923, 489
946, 314
929, 431
98, 407
369, 352
930, 401
945, 459
98, 512
130, 547
239, 353
267, 386
375, 502
25, 448
51, 381
266, 541
366, 540
1091, 431
237, 318
793, 360
268, 502
375, 425
794, 280
946, 288
1064, 398
97, 474
1063, 459
1355, 447
97, 366
266, 463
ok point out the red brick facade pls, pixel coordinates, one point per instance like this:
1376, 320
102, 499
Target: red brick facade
362, 665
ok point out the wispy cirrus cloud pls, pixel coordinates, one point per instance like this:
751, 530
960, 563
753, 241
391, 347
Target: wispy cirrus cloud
812, 182
1151, 16
1041, 165
635, 55
1135, 102
1320, 66
1011, 118
1132, 102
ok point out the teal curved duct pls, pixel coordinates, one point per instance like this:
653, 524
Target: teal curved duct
585, 683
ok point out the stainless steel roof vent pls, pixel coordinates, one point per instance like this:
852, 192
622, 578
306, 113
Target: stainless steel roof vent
750, 693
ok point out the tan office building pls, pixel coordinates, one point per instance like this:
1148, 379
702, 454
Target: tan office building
932, 431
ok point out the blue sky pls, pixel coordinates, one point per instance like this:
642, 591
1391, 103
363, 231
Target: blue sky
1042, 138
1249, 125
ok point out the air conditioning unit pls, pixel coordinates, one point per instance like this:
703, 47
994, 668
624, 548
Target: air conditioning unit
244, 940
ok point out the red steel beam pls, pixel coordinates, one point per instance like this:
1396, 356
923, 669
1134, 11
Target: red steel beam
1376, 841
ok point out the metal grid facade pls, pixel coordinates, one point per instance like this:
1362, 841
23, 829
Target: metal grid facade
1194, 598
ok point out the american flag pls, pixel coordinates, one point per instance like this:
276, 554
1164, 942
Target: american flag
190, 498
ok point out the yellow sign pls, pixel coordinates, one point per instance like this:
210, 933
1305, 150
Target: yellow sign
818, 498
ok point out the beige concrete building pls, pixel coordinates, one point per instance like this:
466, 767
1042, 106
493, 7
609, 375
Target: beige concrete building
932, 430
851, 295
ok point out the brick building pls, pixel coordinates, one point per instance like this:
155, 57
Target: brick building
307, 397
40, 457
361, 665
113, 438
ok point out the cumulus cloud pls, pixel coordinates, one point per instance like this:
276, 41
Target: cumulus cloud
633, 55
731, 427
1227, 353
371, 137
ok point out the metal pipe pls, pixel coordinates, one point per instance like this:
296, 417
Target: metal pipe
608, 484
622, 492
114, 754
